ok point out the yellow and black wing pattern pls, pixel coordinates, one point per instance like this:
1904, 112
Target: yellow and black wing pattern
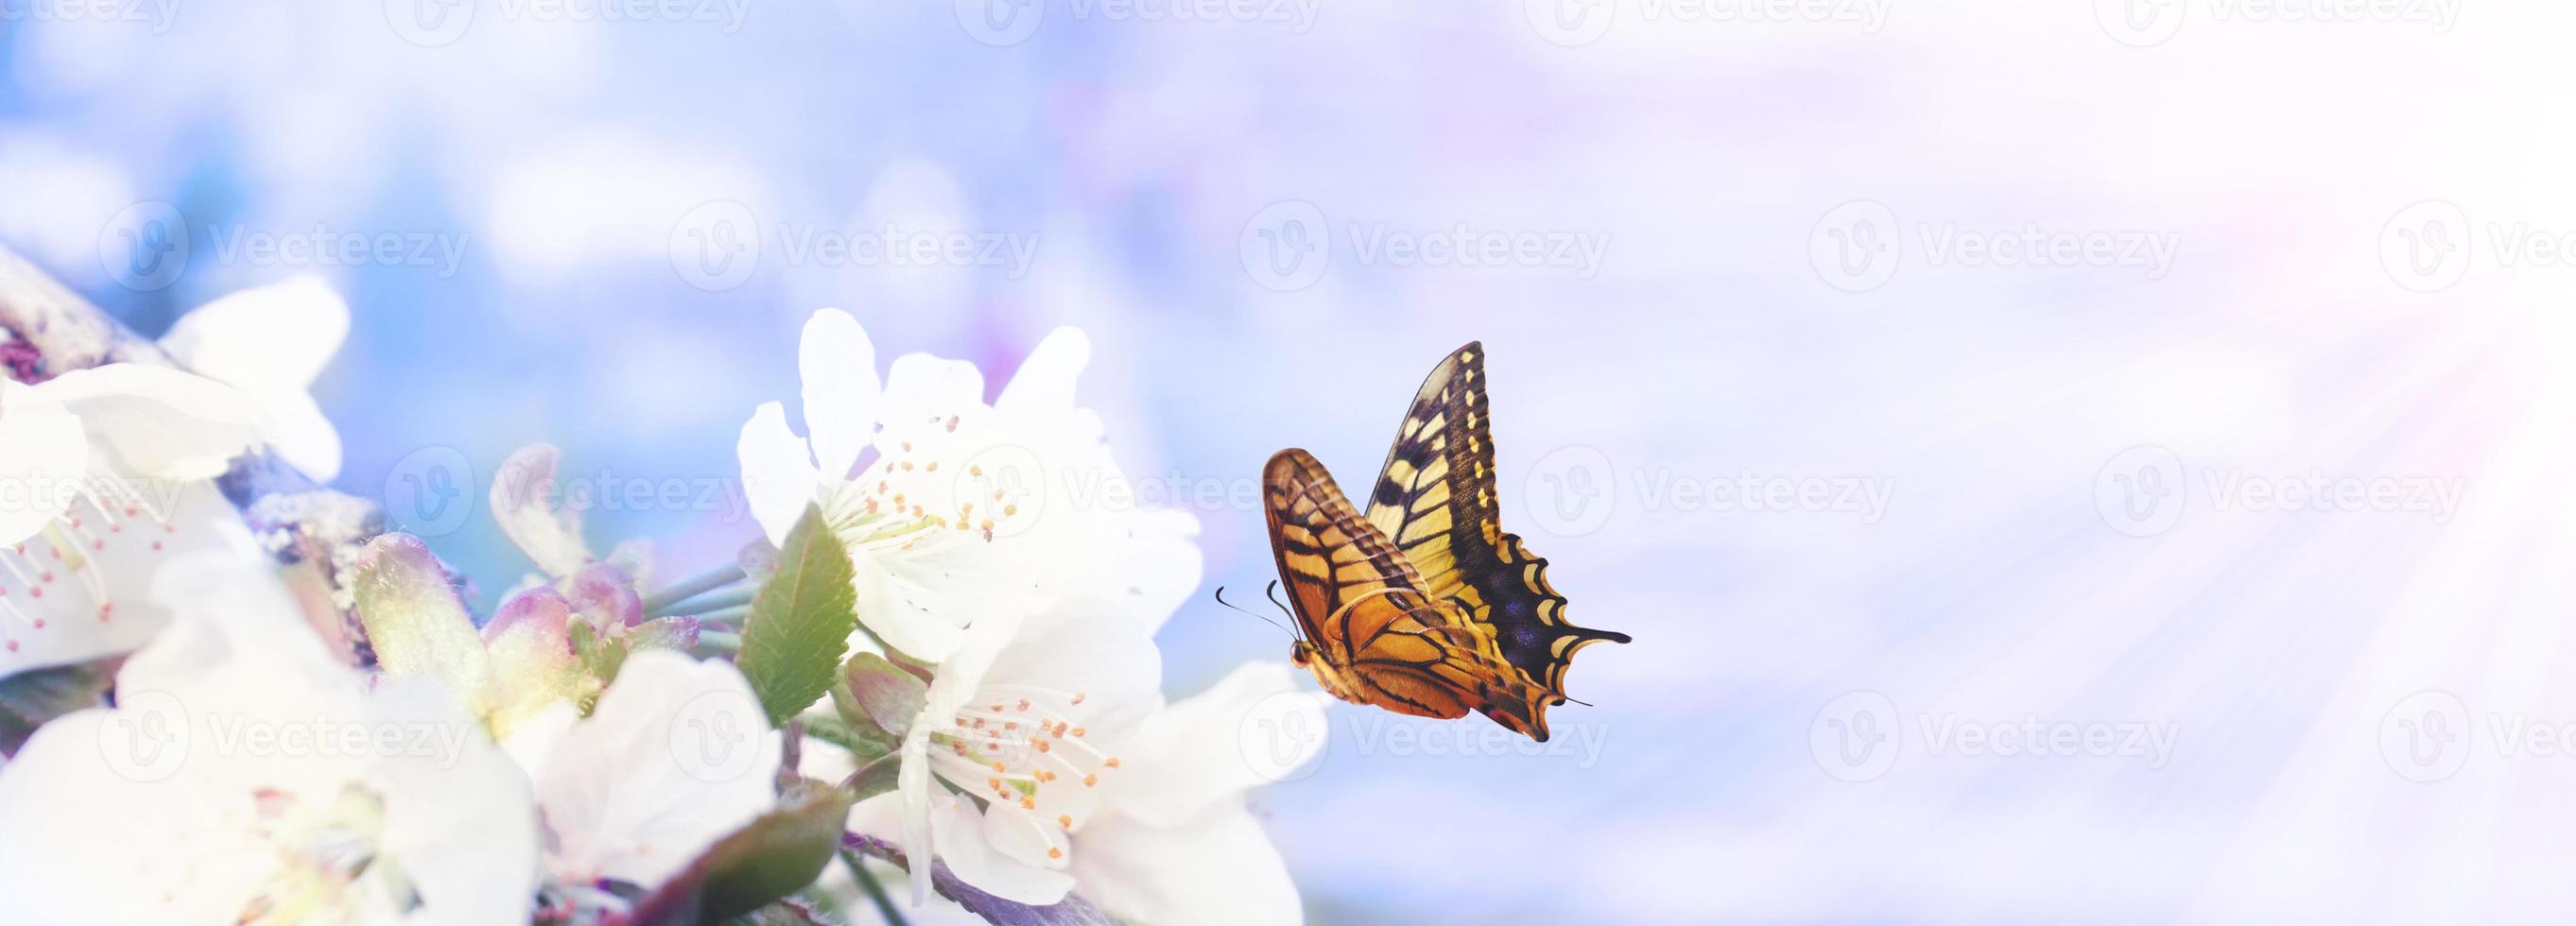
1435, 500
1371, 634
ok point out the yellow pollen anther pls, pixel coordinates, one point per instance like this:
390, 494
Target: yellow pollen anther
997, 766
1055, 853
1065, 821
1089, 781
1028, 803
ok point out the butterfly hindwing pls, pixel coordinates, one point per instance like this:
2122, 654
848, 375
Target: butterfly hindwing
1435, 500
1361, 606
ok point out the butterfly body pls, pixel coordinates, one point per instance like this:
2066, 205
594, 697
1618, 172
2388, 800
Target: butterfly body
1423, 605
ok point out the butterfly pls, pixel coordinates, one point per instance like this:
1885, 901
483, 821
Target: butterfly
1423, 605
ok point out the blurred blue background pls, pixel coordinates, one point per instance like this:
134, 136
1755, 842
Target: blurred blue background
1890, 371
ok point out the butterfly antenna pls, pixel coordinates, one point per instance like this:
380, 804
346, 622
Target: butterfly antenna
1272, 593
1220, 599
1581, 702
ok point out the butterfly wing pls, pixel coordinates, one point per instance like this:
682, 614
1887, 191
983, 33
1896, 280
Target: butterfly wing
1361, 606
1435, 500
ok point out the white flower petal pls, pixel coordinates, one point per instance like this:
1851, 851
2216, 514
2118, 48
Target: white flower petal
303, 436
1190, 757
912, 827
965, 845
676, 756
897, 615
921, 388
1045, 382
44, 460
278, 336
778, 475
189, 829
109, 597
839, 367
159, 422
528, 504
1217, 867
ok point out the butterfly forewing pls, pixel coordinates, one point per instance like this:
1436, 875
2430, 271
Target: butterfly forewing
1435, 501
1362, 607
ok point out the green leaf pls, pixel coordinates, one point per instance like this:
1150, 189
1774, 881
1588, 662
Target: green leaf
601, 658
864, 745
801, 621
414, 620
874, 778
769, 859
883, 694
30, 699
